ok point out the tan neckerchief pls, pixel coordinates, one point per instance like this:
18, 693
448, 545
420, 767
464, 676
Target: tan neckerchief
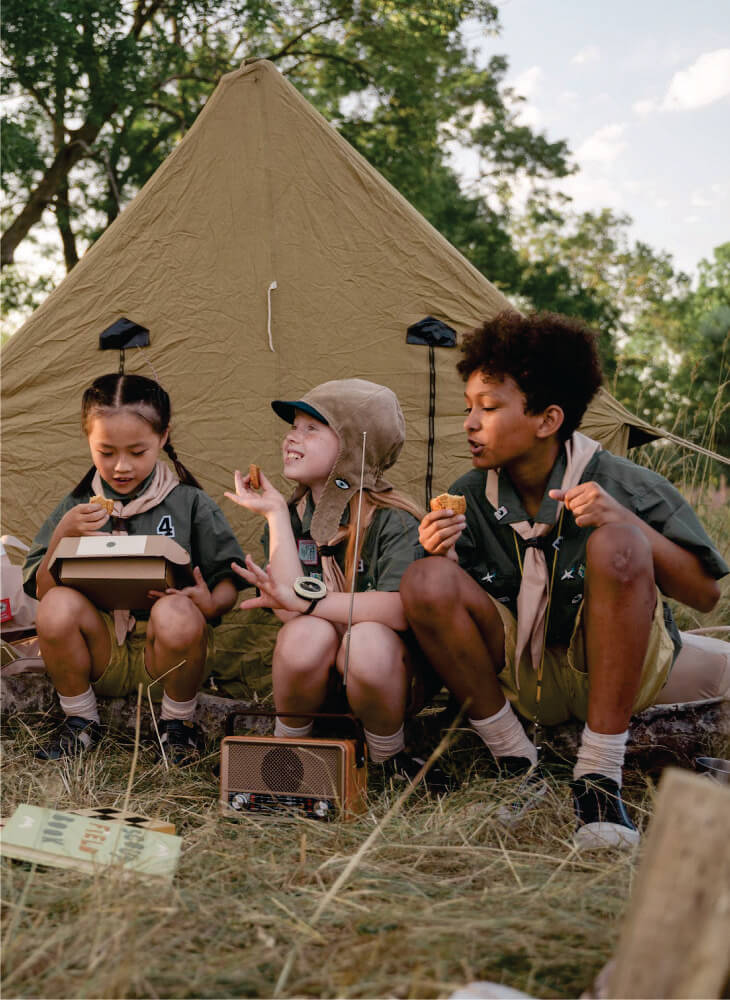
532, 598
164, 481
334, 578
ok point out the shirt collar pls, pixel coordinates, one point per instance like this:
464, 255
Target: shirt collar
511, 505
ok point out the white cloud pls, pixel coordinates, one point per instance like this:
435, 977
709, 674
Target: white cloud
526, 82
645, 106
691, 218
698, 200
705, 81
606, 144
589, 54
524, 85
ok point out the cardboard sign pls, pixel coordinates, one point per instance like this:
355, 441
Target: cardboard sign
118, 571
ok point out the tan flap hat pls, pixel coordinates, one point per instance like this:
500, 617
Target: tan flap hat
350, 406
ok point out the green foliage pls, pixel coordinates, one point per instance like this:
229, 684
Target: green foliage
105, 91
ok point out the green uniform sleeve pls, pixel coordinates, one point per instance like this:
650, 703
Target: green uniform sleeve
390, 547
40, 544
214, 546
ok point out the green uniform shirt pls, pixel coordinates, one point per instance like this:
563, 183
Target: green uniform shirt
389, 547
487, 547
187, 515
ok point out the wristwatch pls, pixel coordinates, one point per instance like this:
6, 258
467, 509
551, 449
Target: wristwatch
310, 588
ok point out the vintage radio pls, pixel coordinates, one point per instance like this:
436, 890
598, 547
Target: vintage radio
321, 778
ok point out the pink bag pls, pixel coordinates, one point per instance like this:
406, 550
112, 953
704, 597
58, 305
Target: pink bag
15, 605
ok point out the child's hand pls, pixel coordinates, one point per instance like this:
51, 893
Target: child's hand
83, 519
199, 594
439, 531
591, 506
274, 594
265, 501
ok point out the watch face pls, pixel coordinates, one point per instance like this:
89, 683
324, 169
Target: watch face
310, 587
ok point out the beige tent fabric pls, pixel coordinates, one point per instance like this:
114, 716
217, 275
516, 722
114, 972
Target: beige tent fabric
618, 430
261, 190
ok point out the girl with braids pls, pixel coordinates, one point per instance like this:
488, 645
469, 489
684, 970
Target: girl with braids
314, 536
89, 652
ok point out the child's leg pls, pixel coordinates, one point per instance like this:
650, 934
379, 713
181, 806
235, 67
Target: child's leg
460, 632
377, 688
177, 632
305, 651
73, 639
378, 678
618, 610
619, 603
76, 647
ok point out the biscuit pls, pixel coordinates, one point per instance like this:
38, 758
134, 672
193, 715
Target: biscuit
253, 472
449, 501
108, 505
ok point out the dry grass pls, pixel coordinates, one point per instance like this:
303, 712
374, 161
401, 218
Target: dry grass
443, 895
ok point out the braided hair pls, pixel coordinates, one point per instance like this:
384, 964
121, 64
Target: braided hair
147, 398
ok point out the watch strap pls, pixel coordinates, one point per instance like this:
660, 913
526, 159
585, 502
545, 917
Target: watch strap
312, 605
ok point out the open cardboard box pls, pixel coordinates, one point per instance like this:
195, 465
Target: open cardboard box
117, 571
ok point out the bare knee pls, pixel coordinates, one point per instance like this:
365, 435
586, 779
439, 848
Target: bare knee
304, 643
375, 657
176, 622
619, 554
61, 612
427, 587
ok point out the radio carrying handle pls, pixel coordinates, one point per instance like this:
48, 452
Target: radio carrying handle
356, 724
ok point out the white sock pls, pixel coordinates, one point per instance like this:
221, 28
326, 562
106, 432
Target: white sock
292, 732
184, 710
380, 748
601, 753
84, 705
504, 735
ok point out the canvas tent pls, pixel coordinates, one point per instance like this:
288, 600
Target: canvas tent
264, 256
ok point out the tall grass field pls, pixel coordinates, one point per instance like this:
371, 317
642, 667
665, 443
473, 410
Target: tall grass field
416, 898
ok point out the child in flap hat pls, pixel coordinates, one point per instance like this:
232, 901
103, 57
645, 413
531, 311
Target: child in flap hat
310, 543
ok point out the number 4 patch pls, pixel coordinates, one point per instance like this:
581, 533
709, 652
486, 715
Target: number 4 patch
166, 527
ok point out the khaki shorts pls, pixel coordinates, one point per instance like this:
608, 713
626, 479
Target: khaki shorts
565, 674
126, 667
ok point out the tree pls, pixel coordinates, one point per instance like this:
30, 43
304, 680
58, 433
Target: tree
665, 344
103, 90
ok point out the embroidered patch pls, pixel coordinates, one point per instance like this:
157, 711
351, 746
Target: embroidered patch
307, 551
489, 577
581, 571
342, 484
558, 542
501, 512
568, 574
361, 566
166, 527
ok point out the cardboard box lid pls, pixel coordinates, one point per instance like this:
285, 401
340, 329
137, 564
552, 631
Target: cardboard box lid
117, 547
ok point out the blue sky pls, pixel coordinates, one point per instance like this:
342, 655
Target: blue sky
641, 92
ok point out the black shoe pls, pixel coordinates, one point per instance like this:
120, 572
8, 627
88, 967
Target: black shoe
182, 741
77, 735
602, 818
528, 793
404, 768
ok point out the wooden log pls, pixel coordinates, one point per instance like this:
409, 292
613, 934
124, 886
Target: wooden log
674, 939
662, 734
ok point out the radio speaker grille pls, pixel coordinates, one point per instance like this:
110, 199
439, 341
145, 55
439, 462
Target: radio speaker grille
315, 770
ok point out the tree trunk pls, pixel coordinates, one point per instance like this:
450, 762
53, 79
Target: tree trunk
63, 220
